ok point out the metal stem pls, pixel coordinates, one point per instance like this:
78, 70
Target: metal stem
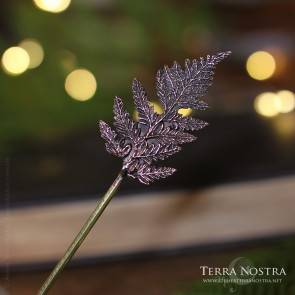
82, 234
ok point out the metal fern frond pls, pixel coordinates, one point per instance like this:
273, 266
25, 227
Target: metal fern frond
157, 136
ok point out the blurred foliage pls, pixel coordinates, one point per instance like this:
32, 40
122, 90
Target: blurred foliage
117, 43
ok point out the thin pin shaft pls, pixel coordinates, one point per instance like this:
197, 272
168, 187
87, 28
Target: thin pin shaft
82, 234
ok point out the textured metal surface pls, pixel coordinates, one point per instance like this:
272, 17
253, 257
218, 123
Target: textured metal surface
157, 136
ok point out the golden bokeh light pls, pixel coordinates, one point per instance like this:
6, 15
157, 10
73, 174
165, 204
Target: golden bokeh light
285, 125
157, 108
15, 61
34, 50
135, 116
267, 104
80, 84
286, 101
54, 6
261, 65
185, 112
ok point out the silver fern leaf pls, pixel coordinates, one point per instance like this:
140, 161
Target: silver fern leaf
147, 174
157, 136
179, 88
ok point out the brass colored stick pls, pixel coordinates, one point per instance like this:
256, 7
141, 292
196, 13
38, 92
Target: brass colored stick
82, 234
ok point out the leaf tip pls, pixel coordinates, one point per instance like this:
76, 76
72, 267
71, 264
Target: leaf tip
102, 124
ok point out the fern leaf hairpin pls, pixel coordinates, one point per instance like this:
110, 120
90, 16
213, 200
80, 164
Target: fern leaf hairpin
154, 137
157, 136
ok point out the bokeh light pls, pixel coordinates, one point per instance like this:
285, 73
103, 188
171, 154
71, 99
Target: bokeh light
15, 61
185, 112
54, 6
286, 101
285, 125
261, 65
68, 60
267, 104
157, 108
34, 50
80, 84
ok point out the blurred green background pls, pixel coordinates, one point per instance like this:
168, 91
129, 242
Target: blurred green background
52, 140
